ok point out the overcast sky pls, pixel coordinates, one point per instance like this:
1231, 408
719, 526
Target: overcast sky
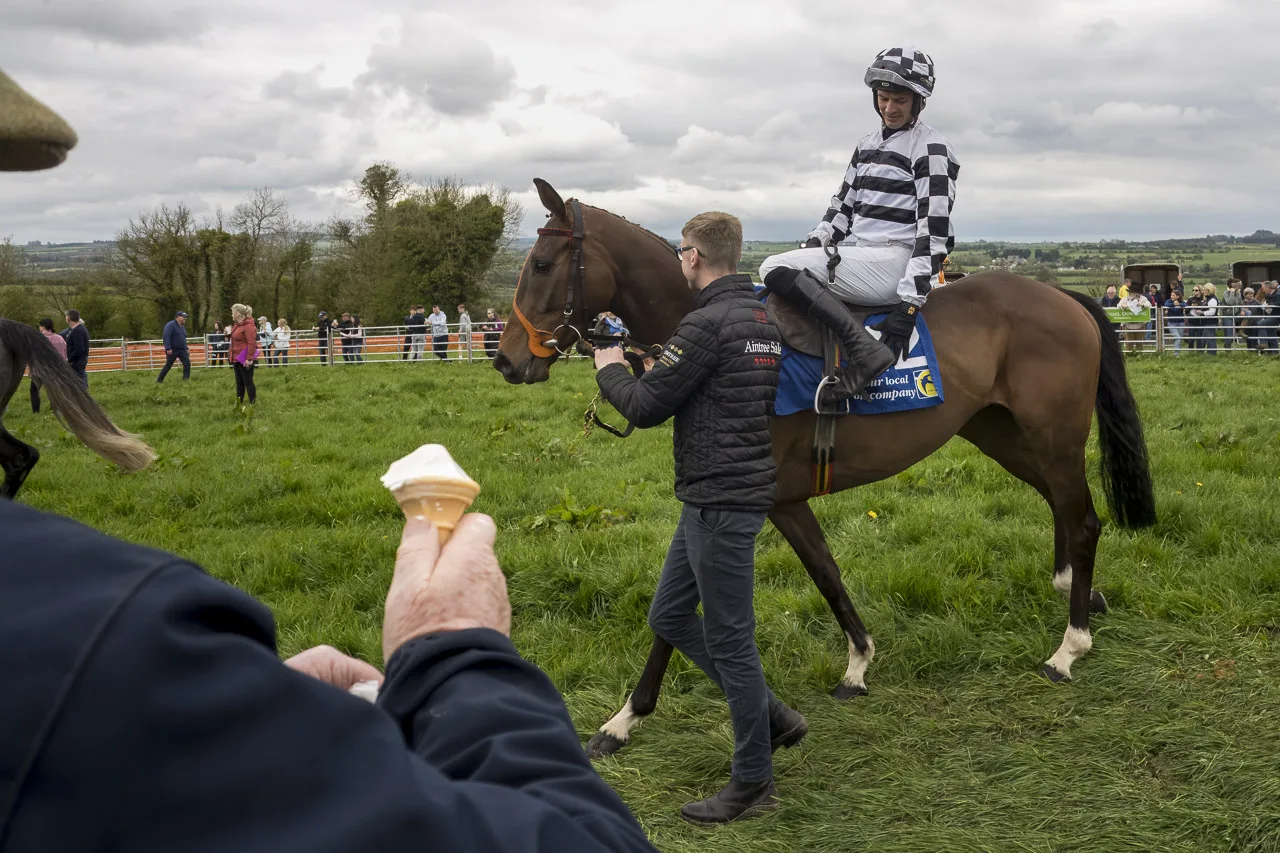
1072, 120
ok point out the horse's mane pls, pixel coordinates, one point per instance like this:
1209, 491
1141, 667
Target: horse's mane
666, 244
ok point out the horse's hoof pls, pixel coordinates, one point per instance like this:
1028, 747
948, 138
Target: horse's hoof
1053, 675
1098, 602
602, 745
845, 692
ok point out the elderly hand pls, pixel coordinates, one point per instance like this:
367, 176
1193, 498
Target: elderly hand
333, 667
609, 355
449, 589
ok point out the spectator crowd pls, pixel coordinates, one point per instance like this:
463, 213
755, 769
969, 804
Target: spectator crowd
1203, 320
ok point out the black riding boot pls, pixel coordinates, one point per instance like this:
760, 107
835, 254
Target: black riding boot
867, 358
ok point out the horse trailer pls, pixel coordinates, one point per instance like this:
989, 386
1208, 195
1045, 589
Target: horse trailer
1254, 272
1145, 275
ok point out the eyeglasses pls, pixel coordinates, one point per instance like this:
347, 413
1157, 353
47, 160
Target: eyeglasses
682, 249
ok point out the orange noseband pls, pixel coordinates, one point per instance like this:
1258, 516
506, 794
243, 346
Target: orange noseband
535, 335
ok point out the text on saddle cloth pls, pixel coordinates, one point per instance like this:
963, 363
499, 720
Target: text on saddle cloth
915, 382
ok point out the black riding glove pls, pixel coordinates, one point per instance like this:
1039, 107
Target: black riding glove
895, 330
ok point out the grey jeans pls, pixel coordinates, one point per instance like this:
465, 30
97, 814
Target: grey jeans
712, 560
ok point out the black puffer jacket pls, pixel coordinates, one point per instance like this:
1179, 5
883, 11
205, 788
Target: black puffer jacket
718, 375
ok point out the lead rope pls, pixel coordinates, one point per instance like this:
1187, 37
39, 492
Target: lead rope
591, 419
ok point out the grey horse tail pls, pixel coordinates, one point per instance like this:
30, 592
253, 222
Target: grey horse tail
71, 402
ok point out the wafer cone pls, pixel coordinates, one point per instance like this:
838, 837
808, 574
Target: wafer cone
442, 502
428, 483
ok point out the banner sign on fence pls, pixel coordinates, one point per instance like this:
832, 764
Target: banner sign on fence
1124, 315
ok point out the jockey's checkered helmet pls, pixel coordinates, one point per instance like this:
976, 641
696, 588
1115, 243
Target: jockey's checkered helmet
904, 67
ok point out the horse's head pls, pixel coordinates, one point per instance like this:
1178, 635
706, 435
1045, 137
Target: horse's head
565, 276
586, 261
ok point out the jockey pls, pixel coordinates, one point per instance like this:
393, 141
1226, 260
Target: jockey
896, 202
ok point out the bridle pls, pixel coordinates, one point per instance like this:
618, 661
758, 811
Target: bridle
544, 344
541, 342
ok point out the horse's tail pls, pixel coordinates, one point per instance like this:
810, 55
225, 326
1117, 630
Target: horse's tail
71, 402
1126, 471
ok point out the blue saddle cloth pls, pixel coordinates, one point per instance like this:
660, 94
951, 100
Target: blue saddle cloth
913, 383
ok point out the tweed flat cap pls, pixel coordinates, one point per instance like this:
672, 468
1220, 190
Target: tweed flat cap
32, 136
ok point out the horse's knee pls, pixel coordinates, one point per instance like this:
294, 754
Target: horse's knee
1092, 526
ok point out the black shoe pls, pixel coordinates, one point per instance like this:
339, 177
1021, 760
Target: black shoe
867, 358
736, 801
787, 727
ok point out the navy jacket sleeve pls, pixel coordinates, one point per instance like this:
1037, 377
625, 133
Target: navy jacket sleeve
182, 730
686, 361
169, 334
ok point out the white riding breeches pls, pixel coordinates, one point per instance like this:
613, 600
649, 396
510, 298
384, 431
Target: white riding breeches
866, 275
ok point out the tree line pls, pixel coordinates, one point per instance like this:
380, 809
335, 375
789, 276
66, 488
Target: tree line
416, 242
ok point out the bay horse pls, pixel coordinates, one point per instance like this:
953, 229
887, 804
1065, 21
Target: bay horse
22, 347
1025, 366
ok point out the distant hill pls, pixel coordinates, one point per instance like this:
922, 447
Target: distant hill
52, 257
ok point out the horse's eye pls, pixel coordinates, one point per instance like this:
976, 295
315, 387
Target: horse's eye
541, 266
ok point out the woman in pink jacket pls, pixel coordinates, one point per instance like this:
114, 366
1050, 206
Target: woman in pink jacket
244, 352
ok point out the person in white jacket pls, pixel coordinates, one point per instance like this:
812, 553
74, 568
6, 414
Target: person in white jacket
266, 337
896, 201
280, 344
1139, 307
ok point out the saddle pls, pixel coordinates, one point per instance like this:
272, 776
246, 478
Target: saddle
804, 333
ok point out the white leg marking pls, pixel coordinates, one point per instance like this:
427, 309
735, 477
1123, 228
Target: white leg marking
622, 723
856, 674
1062, 581
1074, 645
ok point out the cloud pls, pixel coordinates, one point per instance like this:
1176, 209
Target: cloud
437, 61
1097, 33
1125, 115
125, 22
1066, 122
305, 88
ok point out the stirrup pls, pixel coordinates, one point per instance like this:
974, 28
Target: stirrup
846, 405
817, 395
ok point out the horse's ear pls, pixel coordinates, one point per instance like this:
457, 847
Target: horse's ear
550, 198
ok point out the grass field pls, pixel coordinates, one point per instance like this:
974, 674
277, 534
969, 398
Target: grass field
1167, 741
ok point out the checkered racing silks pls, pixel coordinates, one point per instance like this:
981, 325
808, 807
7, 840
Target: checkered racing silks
899, 189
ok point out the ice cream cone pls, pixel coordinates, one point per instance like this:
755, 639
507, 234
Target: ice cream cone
441, 502
430, 484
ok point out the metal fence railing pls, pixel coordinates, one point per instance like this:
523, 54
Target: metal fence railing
376, 343
1156, 330
1162, 330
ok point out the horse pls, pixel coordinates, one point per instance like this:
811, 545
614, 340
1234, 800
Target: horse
1025, 364
22, 347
